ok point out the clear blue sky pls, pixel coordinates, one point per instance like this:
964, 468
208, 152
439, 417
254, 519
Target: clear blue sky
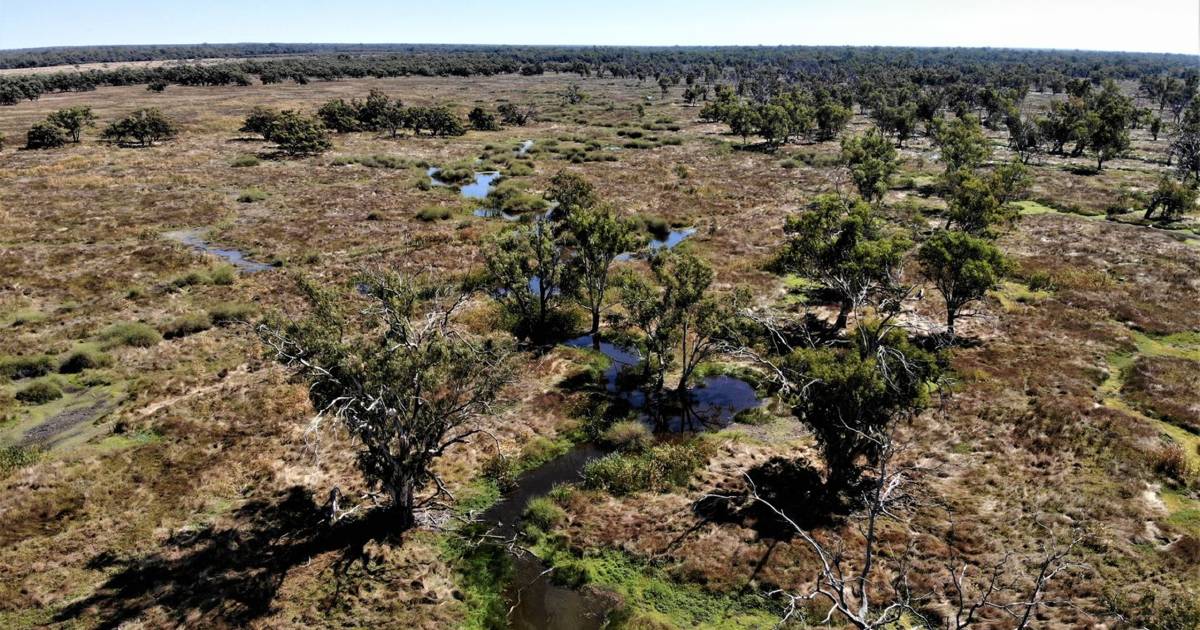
1136, 25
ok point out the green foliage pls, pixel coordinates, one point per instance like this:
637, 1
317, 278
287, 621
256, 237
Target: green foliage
844, 246
39, 392
251, 195
963, 267
872, 162
962, 143
259, 121
658, 469
25, 366
1171, 199
222, 275
482, 121
185, 325
339, 116
511, 114
526, 270
628, 435
45, 135
226, 313
854, 394
243, 161
543, 513
510, 197
135, 334
434, 213
483, 571
377, 160
831, 117
14, 457
983, 203
142, 127
1107, 123
404, 381
678, 313
84, 358
572, 192
297, 134
597, 236
73, 120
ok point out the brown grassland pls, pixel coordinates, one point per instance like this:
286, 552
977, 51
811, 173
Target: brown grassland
180, 484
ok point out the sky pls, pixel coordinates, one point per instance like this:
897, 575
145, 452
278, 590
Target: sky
1129, 25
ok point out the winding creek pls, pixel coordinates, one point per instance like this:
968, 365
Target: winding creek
537, 602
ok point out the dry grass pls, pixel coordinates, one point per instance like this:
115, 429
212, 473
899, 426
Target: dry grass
207, 433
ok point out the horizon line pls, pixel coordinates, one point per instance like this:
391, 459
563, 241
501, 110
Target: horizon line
561, 45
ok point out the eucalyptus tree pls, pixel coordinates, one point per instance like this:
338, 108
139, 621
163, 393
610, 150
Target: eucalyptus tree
396, 371
846, 247
871, 160
963, 267
596, 237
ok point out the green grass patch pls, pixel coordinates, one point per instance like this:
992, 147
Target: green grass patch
483, 571
133, 334
251, 195
652, 598
26, 366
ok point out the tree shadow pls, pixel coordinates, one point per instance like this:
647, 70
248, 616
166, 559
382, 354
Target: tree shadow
1085, 171
229, 576
792, 486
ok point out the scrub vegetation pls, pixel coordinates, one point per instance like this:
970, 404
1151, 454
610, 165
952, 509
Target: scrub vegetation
446, 336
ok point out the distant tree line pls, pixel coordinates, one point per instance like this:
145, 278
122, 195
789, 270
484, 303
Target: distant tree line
692, 66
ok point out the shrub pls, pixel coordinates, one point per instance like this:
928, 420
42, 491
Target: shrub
501, 470
142, 127
223, 275
1040, 281
259, 121
510, 198
29, 366
134, 334
251, 195
629, 435
296, 134
190, 278
1171, 461
482, 121
14, 457
227, 313
84, 359
434, 213
543, 513
657, 469
657, 227
189, 324
457, 174
39, 393
45, 135
242, 161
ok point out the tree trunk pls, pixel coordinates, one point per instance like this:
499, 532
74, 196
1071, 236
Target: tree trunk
843, 314
596, 328
402, 502
951, 314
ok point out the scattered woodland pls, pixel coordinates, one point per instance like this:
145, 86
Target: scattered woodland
558, 337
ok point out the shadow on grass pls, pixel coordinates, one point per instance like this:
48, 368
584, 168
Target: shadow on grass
226, 577
792, 486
